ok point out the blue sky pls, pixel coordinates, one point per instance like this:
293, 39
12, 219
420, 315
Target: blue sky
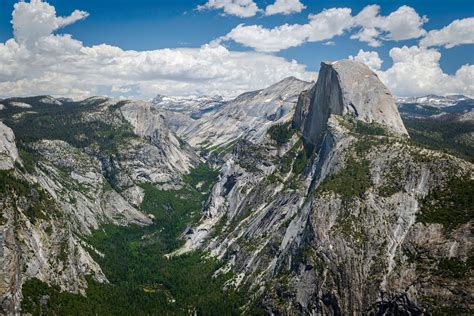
146, 25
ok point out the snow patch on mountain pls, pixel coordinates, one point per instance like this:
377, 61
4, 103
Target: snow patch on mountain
433, 100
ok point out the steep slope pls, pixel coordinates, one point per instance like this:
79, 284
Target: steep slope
78, 166
247, 116
346, 217
8, 150
182, 111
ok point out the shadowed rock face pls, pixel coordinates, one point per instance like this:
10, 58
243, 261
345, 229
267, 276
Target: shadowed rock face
346, 87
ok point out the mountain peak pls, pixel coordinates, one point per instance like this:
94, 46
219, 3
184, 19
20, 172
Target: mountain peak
347, 87
288, 81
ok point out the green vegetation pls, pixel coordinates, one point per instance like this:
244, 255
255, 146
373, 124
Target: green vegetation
143, 280
443, 135
281, 133
349, 226
172, 211
3, 220
393, 182
352, 181
453, 268
202, 176
11, 184
363, 128
224, 149
28, 157
295, 160
39, 205
443, 271
66, 123
301, 159
450, 205
368, 134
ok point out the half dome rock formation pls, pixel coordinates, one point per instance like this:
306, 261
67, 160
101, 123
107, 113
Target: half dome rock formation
8, 150
346, 87
334, 228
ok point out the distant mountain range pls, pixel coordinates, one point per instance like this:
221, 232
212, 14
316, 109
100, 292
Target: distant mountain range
195, 106
433, 105
433, 100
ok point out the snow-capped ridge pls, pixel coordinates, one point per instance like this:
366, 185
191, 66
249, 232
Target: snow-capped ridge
433, 100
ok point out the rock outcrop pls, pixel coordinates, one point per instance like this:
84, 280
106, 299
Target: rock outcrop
247, 116
8, 150
346, 87
167, 156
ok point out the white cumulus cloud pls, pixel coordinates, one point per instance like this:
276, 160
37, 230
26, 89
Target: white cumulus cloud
370, 58
456, 33
321, 26
36, 19
47, 63
416, 71
37, 61
284, 7
370, 27
240, 8
402, 24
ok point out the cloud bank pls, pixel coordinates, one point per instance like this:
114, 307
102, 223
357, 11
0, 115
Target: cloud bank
456, 33
368, 26
416, 71
37, 61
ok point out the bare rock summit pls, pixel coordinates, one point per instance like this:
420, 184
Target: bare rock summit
346, 87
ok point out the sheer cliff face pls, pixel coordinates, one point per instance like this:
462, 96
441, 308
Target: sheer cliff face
346, 87
8, 150
324, 221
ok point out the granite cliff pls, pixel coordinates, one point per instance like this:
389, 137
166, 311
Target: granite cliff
342, 214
